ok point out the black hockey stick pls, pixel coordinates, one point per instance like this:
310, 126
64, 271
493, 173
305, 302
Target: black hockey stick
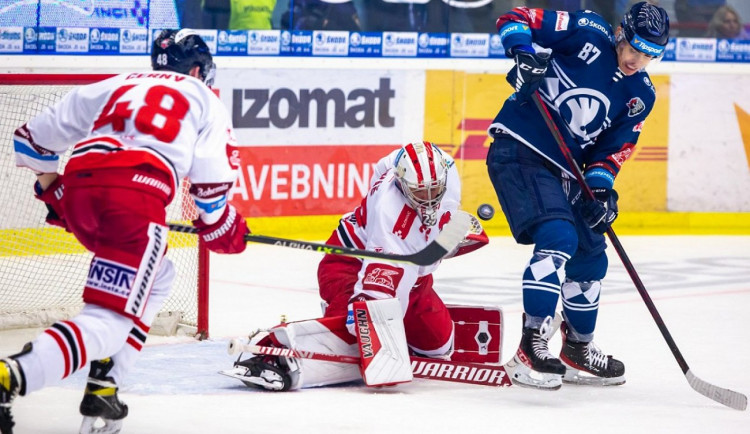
452, 234
727, 397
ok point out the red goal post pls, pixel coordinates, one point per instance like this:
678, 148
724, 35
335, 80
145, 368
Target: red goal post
43, 267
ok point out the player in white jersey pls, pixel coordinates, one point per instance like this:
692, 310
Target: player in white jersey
414, 192
134, 136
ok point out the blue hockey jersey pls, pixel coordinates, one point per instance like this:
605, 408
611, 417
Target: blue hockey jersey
599, 110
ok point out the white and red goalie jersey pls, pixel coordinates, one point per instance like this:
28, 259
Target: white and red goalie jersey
163, 119
386, 222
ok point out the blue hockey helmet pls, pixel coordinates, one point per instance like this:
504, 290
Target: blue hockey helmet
180, 51
646, 28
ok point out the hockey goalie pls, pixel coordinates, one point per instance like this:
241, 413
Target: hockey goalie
382, 315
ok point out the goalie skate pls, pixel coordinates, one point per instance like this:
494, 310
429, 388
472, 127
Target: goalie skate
101, 408
533, 365
263, 371
585, 364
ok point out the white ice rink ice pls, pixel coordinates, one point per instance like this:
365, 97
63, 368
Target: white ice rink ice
700, 285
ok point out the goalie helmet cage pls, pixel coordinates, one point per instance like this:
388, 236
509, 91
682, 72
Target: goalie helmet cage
43, 267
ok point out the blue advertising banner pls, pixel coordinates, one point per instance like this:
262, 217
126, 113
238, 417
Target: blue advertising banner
232, 43
365, 44
296, 43
102, 40
433, 45
732, 51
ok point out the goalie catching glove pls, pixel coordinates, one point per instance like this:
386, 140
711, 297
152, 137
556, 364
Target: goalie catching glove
52, 198
475, 238
227, 234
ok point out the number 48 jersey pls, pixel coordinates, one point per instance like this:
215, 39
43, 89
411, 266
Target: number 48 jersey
167, 120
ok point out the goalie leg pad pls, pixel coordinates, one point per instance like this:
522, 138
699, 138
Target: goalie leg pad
382, 342
323, 335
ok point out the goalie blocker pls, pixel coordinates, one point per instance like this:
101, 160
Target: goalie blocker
322, 352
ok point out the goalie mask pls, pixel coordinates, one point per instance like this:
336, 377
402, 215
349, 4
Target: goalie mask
422, 172
180, 51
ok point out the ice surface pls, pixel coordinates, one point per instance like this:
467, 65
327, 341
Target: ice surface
700, 285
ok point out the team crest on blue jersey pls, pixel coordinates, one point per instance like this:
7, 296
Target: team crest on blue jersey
635, 107
585, 111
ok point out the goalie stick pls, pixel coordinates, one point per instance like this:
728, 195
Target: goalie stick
422, 367
728, 397
451, 235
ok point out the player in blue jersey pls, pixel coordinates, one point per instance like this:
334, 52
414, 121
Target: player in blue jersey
592, 80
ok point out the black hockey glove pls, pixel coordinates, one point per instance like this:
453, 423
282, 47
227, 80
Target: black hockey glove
600, 213
528, 73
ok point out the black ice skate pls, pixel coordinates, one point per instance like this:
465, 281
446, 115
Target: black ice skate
267, 372
11, 382
586, 364
533, 365
263, 371
100, 401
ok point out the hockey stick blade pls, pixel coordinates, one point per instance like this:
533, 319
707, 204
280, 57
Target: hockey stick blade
730, 398
452, 234
422, 367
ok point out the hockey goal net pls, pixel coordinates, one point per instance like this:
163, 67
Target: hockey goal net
43, 267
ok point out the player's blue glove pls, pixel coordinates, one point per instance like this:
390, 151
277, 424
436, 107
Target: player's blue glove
529, 71
52, 198
600, 213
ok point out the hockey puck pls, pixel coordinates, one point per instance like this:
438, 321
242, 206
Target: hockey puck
485, 211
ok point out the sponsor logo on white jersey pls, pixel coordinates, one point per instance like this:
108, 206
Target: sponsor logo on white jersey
381, 277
